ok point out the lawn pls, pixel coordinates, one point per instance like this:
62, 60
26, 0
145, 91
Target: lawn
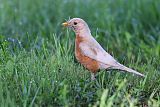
37, 62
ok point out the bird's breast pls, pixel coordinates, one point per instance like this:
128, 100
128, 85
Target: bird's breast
87, 62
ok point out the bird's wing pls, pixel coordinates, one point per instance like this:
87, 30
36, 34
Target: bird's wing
93, 50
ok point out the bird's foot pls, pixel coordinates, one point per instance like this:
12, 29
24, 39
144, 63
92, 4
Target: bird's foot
93, 77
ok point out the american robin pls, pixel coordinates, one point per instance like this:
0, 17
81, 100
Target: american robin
89, 52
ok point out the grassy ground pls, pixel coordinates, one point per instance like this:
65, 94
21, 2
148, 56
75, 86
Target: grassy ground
37, 63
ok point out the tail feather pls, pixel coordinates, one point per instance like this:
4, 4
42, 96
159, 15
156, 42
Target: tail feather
124, 68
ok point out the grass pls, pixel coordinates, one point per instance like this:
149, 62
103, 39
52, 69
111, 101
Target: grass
37, 63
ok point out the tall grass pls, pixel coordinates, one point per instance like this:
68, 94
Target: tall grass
37, 64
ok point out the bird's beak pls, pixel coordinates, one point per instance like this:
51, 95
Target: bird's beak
65, 24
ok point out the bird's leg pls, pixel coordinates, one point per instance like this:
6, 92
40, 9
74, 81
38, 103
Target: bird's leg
93, 76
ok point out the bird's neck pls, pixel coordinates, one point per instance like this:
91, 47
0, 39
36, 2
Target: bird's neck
82, 37
83, 33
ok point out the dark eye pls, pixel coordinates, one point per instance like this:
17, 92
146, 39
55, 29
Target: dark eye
75, 23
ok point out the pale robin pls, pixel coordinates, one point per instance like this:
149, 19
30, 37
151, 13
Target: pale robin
89, 52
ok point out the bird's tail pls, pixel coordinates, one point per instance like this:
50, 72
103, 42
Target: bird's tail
124, 68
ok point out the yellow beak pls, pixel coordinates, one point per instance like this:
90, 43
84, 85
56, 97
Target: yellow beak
65, 24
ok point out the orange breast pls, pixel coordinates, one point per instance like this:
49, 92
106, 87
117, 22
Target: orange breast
87, 62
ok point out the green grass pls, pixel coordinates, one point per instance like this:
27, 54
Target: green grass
37, 63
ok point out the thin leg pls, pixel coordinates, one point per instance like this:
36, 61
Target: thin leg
93, 76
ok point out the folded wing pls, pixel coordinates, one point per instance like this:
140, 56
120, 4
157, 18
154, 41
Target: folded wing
96, 52
92, 49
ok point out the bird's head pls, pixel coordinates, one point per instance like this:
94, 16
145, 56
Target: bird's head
78, 25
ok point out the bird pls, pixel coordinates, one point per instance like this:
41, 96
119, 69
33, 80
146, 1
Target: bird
90, 53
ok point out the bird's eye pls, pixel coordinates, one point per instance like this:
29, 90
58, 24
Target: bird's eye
75, 23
